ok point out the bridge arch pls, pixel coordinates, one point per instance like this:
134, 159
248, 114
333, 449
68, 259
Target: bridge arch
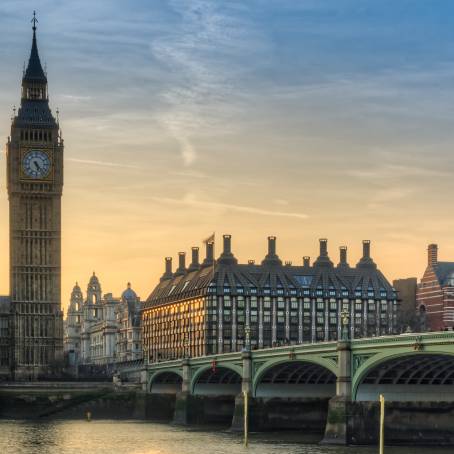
406, 376
219, 380
165, 382
295, 378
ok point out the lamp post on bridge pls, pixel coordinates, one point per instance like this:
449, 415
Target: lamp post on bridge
247, 340
186, 347
345, 316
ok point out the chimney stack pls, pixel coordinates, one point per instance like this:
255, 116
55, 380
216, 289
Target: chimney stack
227, 244
271, 258
209, 257
343, 255
323, 259
432, 254
169, 265
195, 265
366, 261
306, 261
181, 264
168, 269
227, 258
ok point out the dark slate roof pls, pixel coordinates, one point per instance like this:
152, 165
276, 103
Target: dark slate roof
273, 278
35, 113
34, 71
444, 271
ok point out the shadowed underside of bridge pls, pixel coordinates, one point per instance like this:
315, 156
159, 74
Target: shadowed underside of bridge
218, 381
417, 377
166, 383
296, 379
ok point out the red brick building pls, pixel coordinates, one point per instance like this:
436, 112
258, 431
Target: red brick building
435, 293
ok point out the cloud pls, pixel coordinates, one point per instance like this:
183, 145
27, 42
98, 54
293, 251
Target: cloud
202, 53
103, 163
280, 202
390, 171
75, 98
190, 201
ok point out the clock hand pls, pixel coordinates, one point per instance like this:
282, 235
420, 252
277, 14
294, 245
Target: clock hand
37, 166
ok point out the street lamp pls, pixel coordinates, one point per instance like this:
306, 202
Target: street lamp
344, 320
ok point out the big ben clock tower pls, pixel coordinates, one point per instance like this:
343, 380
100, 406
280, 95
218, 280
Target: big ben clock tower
35, 183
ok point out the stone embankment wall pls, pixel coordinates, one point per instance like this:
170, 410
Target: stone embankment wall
405, 422
69, 401
428, 423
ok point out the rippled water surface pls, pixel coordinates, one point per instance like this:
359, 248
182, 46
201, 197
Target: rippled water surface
71, 437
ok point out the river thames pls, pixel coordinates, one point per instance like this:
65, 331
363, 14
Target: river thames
75, 437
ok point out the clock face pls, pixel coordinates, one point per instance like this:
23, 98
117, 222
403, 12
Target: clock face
36, 164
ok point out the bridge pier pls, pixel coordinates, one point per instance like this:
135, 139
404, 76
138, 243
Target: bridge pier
246, 386
183, 398
339, 407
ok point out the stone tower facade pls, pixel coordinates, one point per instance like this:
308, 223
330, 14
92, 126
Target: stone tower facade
35, 183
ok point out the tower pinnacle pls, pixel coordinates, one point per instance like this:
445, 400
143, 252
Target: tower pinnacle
34, 71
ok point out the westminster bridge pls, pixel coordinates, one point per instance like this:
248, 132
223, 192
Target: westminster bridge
332, 387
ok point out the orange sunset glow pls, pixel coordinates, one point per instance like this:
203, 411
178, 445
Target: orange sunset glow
187, 122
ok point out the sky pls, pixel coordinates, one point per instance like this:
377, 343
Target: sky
302, 119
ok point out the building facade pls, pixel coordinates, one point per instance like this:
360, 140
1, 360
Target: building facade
101, 329
5, 338
435, 293
35, 182
407, 318
129, 335
219, 305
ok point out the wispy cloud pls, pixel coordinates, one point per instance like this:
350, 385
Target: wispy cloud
202, 53
191, 201
75, 98
103, 163
390, 171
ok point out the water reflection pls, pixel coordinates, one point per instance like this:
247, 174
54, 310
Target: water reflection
107, 437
